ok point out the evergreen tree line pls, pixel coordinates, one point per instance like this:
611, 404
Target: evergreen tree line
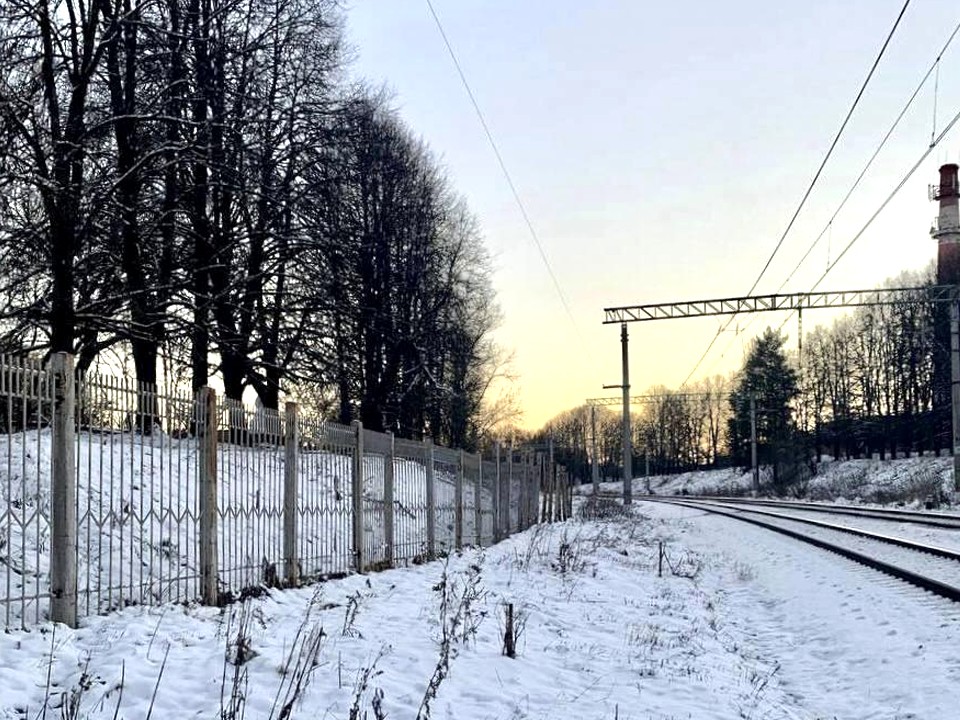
860, 386
196, 185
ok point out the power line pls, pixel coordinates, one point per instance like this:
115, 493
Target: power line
503, 168
876, 152
812, 184
889, 197
887, 200
833, 145
934, 66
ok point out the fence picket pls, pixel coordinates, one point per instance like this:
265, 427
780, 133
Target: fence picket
150, 497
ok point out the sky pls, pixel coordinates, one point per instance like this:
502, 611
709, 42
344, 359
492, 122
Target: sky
660, 150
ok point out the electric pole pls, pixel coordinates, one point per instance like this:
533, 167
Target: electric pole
595, 469
753, 443
646, 464
626, 437
955, 388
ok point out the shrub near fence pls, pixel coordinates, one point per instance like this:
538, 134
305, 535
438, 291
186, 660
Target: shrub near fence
117, 495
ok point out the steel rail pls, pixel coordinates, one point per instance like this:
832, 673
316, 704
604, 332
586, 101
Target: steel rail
944, 590
951, 522
890, 539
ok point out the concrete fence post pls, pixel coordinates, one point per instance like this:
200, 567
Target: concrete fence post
63, 508
431, 500
209, 554
508, 489
388, 486
542, 481
524, 499
356, 490
535, 495
458, 501
291, 562
497, 495
561, 498
552, 485
478, 502
563, 480
533, 487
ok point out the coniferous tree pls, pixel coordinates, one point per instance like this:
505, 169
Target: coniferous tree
769, 378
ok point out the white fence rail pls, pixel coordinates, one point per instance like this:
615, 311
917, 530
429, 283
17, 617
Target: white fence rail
114, 494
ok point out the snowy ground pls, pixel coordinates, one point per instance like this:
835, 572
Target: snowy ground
742, 624
849, 642
908, 481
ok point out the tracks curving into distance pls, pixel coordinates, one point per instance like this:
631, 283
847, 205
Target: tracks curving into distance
927, 566
929, 519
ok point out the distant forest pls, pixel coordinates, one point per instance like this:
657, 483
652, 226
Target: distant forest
196, 188
863, 386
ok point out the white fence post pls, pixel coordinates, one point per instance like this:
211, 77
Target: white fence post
209, 559
291, 562
63, 509
431, 500
458, 502
357, 497
388, 533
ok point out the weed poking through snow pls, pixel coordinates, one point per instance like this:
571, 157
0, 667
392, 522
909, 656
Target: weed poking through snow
362, 686
513, 623
350, 615
459, 620
300, 663
233, 692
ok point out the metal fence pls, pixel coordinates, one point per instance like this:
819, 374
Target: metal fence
114, 494
26, 406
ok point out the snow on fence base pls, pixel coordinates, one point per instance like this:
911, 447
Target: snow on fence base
26, 409
183, 499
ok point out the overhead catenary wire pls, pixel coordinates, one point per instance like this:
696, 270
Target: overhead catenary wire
811, 186
506, 173
906, 178
883, 205
833, 145
936, 94
873, 157
828, 228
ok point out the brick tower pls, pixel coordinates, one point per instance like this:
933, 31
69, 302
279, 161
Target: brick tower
946, 231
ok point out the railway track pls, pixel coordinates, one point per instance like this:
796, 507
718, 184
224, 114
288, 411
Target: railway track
931, 567
928, 519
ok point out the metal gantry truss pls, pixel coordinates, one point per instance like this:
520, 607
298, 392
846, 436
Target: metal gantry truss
641, 399
768, 303
791, 301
